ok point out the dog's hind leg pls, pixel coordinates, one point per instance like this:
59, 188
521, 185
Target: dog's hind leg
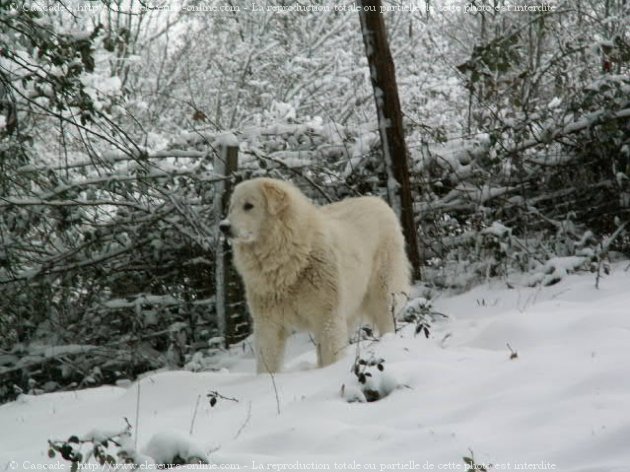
377, 308
270, 340
389, 287
331, 340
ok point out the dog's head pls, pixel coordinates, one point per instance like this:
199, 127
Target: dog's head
253, 204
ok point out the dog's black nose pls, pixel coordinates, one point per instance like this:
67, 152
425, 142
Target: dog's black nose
225, 228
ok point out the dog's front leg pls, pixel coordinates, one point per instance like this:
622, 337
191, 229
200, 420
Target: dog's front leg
270, 340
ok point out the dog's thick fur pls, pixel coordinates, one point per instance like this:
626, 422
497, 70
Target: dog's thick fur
315, 269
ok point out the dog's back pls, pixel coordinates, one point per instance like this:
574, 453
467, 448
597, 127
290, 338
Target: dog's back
365, 220
372, 257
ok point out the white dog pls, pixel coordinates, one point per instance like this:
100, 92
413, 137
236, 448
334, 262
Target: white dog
315, 269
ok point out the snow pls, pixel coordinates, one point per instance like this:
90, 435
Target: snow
57, 351
103, 85
334, 132
281, 111
560, 402
225, 139
164, 446
555, 102
497, 229
556, 268
551, 133
141, 299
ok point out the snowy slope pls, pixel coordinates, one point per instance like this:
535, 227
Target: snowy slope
563, 404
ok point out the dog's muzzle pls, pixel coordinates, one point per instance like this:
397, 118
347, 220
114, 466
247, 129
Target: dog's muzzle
226, 228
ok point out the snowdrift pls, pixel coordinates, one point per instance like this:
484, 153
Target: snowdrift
556, 399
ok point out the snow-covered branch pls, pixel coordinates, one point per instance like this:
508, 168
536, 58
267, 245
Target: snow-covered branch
551, 134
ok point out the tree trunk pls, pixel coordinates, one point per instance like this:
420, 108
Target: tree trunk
383, 78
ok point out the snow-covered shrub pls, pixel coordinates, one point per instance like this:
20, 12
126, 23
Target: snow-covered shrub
473, 466
164, 450
544, 143
420, 312
371, 382
104, 448
168, 449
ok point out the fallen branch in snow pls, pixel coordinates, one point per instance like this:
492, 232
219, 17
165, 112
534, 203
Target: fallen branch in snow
513, 353
205, 176
43, 270
246, 422
194, 417
605, 245
11, 201
214, 395
275, 389
117, 157
137, 414
551, 134
107, 351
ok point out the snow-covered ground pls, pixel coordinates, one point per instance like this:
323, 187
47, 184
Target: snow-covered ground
562, 404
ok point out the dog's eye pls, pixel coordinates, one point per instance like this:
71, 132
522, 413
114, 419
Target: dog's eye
248, 206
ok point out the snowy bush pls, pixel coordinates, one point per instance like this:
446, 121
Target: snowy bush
473, 466
105, 448
169, 449
371, 383
419, 311
164, 450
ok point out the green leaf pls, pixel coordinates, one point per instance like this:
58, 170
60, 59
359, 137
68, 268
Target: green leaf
66, 452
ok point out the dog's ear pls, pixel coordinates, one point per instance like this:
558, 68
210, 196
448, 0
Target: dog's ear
277, 198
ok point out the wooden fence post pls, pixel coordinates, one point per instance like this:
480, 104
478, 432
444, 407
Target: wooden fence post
225, 163
389, 115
